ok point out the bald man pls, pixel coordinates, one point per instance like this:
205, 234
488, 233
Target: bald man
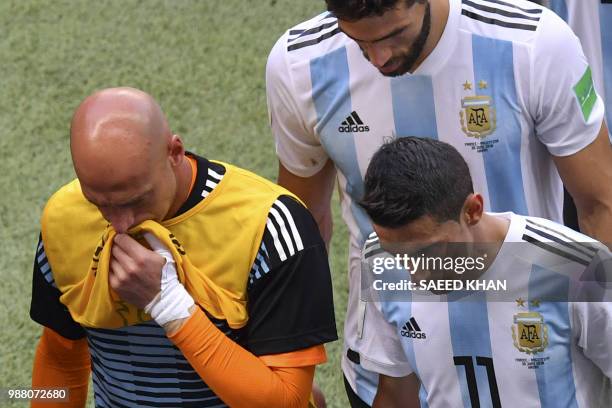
250, 336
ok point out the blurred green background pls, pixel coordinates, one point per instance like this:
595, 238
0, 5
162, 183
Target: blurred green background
203, 60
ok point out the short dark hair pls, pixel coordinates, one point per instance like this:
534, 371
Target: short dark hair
352, 10
411, 177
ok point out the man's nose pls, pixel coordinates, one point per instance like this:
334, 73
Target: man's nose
120, 220
378, 55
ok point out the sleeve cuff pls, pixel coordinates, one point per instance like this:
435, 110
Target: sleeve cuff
296, 167
391, 370
195, 325
300, 358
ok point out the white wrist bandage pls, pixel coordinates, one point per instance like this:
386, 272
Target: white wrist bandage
173, 301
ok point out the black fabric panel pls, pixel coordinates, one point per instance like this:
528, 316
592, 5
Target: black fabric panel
291, 307
570, 214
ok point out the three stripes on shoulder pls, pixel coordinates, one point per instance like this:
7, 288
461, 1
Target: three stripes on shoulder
495, 12
502, 13
299, 38
280, 224
557, 242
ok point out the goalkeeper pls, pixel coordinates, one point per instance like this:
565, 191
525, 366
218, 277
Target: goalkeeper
175, 280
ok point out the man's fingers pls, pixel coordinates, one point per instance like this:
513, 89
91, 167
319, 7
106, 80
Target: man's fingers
113, 281
123, 258
117, 274
129, 245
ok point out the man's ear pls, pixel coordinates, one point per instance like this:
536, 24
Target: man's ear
472, 210
176, 150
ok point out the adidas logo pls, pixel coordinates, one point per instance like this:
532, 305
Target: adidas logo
353, 123
412, 329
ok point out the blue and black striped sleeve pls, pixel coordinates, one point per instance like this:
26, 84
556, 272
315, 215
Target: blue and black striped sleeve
46, 307
290, 299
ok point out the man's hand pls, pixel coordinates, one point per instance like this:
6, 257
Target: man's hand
148, 280
135, 271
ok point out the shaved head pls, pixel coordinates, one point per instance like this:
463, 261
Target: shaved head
115, 127
123, 151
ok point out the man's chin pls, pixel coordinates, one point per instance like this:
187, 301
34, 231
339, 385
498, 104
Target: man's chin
395, 73
398, 70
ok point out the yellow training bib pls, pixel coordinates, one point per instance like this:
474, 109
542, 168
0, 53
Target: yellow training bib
214, 245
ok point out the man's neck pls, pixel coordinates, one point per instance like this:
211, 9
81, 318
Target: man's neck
183, 182
439, 17
489, 236
491, 229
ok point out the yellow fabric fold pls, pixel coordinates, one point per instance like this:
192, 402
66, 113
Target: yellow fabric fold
109, 310
214, 245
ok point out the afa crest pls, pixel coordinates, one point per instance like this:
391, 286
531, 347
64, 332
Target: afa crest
529, 332
478, 116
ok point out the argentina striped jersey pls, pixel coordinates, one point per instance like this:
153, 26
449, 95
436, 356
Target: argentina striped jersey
500, 86
468, 350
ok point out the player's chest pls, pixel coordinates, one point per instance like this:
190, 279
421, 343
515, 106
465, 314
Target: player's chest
524, 337
491, 352
475, 113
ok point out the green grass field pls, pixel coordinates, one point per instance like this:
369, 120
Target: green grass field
203, 60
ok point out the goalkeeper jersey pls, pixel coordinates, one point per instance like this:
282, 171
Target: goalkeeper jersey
289, 305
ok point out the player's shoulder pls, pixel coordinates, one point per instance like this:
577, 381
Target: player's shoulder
561, 240
70, 189
516, 21
69, 205
290, 225
546, 228
371, 247
288, 204
310, 39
